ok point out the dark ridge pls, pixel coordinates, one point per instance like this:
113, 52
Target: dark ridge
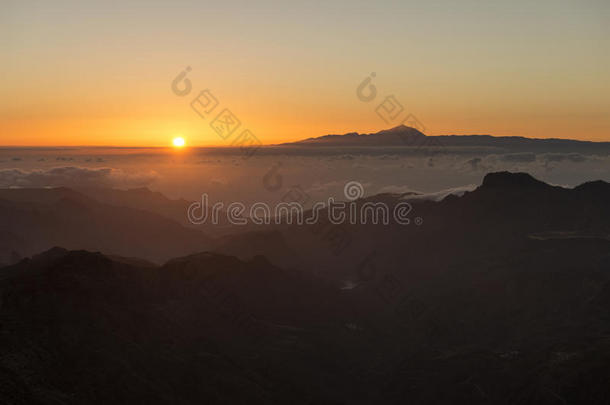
212, 260
512, 180
202, 258
260, 260
598, 186
57, 257
51, 254
401, 129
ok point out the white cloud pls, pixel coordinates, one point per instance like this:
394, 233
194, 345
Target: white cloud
72, 176
440, 195
394, 190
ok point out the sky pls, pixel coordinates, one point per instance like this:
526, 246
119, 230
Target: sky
100, 73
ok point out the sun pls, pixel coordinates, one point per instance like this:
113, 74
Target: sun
178, 142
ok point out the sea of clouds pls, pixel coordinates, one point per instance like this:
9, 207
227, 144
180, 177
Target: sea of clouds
225, 175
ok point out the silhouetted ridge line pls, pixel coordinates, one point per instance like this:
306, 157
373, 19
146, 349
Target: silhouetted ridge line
597, 187
512, 180
404, 136
396, 135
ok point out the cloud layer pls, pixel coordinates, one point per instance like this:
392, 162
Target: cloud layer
72, 176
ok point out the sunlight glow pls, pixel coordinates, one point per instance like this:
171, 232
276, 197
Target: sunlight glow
178, 142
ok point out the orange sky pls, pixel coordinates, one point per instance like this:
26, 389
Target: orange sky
79, 73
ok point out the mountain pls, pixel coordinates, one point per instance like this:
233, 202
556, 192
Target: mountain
505, 211
497, 297
506, 180
37, 219
142, 199
214, 329
79, 327
503, 287
153, 201
404, 136
398, 136
270, 244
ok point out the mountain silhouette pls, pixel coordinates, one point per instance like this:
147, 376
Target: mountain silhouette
500, 296
205, 328
37, 219
398, 136
411, 137
510, 180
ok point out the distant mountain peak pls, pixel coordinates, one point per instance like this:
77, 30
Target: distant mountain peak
391, 137
511, 180
401, 129
52, 254
599, 188
403, 135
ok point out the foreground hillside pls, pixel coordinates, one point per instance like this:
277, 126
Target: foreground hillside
78, 327
530, 327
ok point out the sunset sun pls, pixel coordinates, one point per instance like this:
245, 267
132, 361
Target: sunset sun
178, 142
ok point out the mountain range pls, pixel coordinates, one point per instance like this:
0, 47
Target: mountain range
499, 296
405, 136
36, 219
